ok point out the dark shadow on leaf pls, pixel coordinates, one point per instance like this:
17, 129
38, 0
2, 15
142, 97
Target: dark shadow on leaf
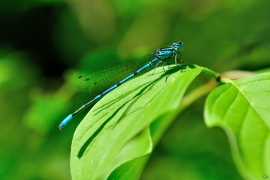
91, 138
89, 141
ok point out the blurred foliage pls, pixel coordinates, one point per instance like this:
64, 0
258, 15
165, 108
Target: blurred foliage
42, 44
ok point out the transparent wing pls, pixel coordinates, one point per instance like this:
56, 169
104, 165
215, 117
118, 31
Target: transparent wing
95, 83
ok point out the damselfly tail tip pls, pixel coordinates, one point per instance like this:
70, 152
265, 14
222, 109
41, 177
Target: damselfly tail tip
65, 121
60, 127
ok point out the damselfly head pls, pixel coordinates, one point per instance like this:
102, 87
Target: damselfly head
178, 45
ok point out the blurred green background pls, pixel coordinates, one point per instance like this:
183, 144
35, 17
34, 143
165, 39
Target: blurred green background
43, 41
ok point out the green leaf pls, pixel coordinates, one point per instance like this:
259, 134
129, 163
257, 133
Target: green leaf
134, 155
242, 109
146, 142
114, 124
